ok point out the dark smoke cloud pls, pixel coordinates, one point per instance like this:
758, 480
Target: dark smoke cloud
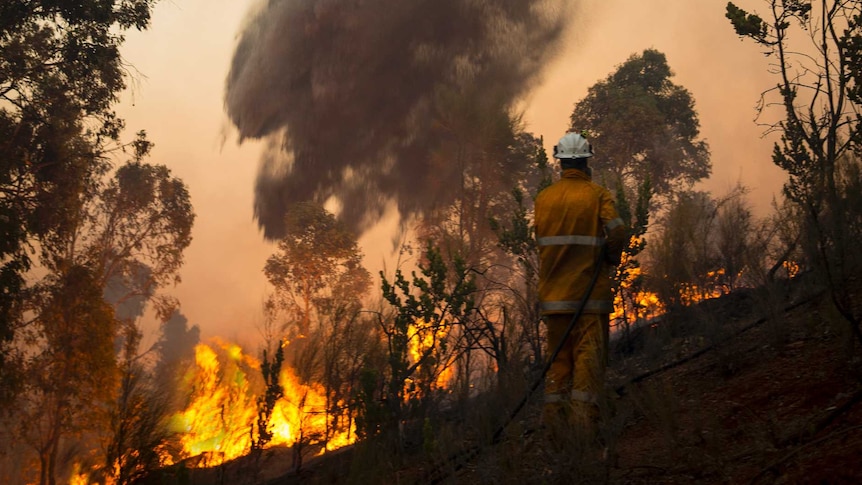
353, 95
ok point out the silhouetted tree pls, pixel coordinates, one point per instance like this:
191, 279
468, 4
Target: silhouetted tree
317, 268
175, 347
60, 72
74, 368
628, 282
643, 126
270, 369
132, 228
138, 429
820, 88
319, 285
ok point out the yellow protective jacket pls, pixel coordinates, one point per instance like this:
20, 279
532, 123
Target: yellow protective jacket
574, 218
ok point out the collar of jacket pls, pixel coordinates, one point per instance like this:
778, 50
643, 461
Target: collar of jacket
573, 173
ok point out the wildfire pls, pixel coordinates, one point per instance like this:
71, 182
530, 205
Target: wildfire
223, 406
632, 304
791, 267
423, 339
78, 476
713, 288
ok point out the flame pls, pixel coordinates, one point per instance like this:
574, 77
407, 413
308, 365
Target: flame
692, 293
424, 340
302, 412
792, 268
222, 408
634, 305
78, 477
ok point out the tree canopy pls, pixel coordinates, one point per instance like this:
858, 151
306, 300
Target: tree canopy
89, 232
317, 269
60, 72
643, 127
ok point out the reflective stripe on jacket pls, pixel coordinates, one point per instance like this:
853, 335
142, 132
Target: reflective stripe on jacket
574, 218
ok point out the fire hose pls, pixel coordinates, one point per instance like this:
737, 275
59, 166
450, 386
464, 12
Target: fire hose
474, 451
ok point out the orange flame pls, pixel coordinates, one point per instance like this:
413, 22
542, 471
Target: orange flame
222, 407
637, 304
78, 477
633, 305
791, 267
692, 293
424, 342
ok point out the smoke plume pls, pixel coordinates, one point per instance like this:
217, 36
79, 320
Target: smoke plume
355, 96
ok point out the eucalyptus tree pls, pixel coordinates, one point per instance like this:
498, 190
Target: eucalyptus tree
316, 270
60, 73
319, 284
73, 227
643, 127
132, 228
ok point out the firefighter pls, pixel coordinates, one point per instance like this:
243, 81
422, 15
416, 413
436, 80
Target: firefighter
575, 218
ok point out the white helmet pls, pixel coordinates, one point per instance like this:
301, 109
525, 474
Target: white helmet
573, 145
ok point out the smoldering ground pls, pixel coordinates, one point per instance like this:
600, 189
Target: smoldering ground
356, 98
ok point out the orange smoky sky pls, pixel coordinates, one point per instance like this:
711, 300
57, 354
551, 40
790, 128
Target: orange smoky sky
181, 63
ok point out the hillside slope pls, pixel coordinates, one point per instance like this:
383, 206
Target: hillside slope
746, 388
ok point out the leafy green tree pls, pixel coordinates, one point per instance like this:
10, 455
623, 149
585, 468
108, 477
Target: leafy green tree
95, 233
643, 126
60, 72
816, 48
426, 309
495, 156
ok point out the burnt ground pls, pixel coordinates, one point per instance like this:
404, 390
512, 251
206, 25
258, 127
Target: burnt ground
748, 388
778, 403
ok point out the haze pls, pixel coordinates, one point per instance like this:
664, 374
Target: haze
182, 63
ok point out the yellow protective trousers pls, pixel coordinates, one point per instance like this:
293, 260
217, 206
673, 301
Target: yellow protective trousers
575, 380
